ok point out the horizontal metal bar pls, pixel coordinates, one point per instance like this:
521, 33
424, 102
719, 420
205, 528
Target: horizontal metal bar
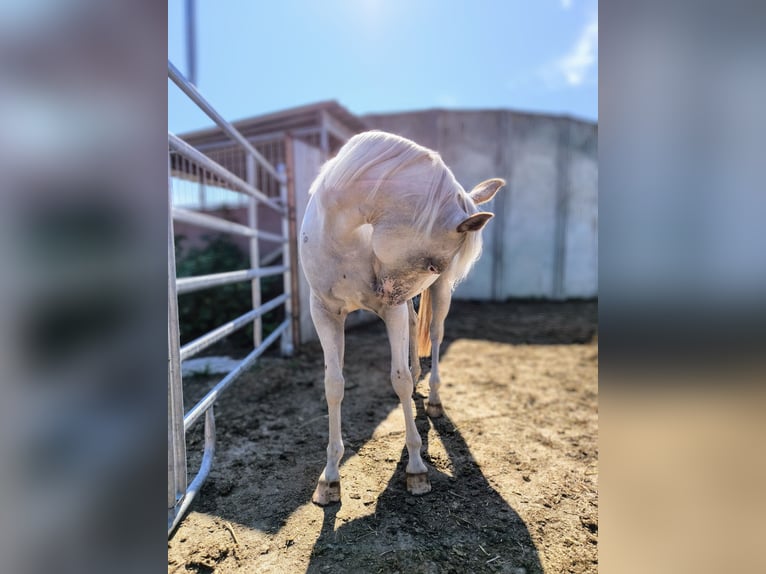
180, 146
191, 284
212, 395
219, 224
233, 133
202, 474
192, 348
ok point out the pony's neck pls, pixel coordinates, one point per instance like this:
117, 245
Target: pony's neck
343, 214
355, 206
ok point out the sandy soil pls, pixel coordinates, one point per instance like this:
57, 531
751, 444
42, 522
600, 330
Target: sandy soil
513, 462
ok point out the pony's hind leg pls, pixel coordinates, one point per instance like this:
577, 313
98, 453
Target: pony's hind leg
396, 319
441, 296
414, 358
329, 327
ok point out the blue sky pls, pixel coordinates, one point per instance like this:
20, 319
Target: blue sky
255, 57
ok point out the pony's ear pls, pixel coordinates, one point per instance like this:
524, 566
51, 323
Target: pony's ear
475, 222
486, 190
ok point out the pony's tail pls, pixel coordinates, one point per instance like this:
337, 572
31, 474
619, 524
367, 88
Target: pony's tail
424, 324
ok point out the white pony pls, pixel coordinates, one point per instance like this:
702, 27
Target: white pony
387, 220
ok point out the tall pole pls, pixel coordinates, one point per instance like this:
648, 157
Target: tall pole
191, 42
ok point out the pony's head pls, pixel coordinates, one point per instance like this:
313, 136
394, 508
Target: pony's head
409, 259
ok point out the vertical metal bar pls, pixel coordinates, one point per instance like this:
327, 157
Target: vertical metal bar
286, 342
202, 175
176, 434
255, 258
207, 463
191, 42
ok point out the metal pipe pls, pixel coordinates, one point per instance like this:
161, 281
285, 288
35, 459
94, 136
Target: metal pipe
183, 148
255, 258
202, 474
191, 284
176, 436
203, 342
191, 41
202, 188
219, 224
230, 130
212, 395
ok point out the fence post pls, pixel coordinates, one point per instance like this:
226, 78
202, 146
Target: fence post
295, 300
202, 192
176, 434
255, 257
286, 342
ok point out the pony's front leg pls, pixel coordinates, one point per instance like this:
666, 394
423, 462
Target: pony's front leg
441, 296
397, 326
329, 327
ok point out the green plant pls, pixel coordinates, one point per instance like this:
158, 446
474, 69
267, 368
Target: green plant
202, 311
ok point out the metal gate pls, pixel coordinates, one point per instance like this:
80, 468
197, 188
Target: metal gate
185, 159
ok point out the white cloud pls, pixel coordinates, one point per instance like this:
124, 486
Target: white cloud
575, 64
566, 4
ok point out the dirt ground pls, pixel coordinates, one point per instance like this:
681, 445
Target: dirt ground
513, 462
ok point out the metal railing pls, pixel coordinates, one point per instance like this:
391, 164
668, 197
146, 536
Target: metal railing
180, 492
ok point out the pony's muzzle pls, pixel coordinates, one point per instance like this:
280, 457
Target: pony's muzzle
390, 292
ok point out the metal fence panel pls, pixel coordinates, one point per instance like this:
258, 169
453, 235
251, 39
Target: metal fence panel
188, 163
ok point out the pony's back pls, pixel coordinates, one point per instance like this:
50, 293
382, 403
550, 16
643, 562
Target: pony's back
368, 153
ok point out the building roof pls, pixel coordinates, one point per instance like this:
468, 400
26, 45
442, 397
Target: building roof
298, 118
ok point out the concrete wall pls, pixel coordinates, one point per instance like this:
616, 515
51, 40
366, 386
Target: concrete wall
581, 262
543, 241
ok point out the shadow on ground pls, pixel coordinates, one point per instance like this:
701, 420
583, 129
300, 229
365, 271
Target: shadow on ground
462, 525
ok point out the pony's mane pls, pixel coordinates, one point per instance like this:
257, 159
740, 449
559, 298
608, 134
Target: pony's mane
379, 158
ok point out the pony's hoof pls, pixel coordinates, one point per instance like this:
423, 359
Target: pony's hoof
326, 493
418, 483
434, 411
